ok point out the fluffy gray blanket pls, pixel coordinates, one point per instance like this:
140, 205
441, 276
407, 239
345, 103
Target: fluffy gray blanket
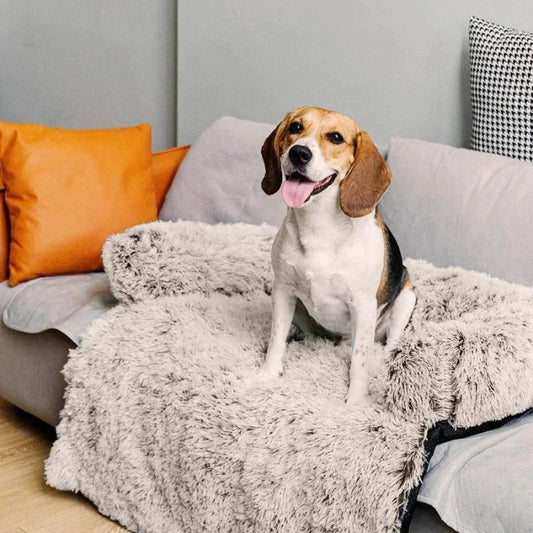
166, 427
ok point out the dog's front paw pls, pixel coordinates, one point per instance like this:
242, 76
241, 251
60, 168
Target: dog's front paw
358, 397
270, 371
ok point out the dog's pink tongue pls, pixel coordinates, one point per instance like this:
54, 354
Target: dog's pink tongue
296, 192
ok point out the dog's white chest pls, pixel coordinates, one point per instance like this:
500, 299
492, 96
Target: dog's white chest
326, 298
327, 276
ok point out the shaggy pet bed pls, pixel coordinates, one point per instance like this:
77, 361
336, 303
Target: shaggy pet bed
167, 428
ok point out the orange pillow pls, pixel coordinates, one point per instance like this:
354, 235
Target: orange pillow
4, 233
165, 164
67, 190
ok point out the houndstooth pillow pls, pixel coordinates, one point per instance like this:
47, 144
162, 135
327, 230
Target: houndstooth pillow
501, 82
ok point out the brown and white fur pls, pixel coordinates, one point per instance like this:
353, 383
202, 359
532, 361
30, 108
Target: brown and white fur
337, 268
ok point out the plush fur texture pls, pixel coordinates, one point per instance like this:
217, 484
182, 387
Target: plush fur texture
171, 258
167, 428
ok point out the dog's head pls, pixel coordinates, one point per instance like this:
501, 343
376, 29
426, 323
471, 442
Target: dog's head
313, 149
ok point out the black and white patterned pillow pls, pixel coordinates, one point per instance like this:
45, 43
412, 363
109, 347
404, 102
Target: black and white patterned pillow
501, 84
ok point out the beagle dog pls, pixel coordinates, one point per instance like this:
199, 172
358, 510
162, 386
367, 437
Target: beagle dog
338, 270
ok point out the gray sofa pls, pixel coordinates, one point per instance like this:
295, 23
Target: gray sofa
31, 371
446, 205
41, 321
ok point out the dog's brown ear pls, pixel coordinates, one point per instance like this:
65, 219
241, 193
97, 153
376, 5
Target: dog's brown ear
272, 180
366, 180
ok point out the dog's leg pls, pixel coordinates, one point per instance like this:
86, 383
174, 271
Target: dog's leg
363, 317
283, 305
400, 313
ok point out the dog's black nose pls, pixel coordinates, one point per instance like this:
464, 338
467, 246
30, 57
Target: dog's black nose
300, 155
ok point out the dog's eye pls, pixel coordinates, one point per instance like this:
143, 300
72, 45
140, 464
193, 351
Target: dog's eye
295, 127
335, 137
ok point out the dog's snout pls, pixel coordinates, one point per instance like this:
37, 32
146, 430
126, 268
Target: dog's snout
300, 155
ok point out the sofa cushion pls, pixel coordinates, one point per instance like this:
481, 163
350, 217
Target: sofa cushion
165, 164
67, 190
65, 303
465, 480
453, 206
220, 179
501, 81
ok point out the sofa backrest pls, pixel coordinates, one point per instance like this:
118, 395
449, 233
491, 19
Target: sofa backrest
458, 207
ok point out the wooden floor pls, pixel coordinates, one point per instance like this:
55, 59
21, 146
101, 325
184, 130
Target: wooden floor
27, 504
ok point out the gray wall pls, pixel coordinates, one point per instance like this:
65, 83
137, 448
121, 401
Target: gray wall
89, 63
397, 67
